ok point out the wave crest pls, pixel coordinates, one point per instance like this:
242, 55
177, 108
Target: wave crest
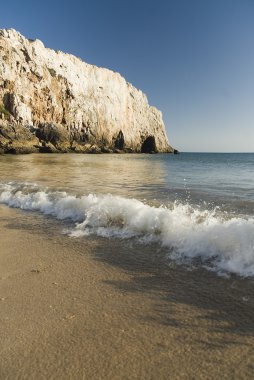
228, 242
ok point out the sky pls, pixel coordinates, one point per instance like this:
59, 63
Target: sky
194, 59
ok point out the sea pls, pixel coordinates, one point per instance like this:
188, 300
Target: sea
198, 208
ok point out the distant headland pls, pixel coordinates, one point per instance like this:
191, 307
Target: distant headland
51, 101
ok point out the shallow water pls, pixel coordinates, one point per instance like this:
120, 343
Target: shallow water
196, 206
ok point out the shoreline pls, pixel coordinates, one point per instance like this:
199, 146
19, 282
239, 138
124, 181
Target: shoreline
101, 308
24, 152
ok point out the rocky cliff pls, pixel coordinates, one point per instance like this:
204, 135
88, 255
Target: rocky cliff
51, 101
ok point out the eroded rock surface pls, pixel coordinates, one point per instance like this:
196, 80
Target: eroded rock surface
53, 102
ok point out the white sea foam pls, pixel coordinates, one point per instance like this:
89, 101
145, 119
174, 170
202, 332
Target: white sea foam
227, 243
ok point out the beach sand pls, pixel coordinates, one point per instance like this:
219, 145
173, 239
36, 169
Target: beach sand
92, 308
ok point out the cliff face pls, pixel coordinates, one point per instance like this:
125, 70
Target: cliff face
52, 101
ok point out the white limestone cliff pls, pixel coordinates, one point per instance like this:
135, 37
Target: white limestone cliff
54, 93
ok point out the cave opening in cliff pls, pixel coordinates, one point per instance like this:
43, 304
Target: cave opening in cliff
149, 145
119, 142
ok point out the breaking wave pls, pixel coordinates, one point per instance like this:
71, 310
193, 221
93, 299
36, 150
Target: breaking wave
226, 242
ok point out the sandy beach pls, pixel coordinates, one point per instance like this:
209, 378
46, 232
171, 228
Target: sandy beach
79, 309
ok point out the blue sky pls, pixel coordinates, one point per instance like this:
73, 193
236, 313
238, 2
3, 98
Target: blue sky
194, 59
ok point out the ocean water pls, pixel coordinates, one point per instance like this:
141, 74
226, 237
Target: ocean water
196, 206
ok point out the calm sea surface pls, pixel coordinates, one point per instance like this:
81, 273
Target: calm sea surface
196, 204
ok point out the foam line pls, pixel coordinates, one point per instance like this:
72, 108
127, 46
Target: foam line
227, 242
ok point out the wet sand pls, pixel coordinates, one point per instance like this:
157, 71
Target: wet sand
100, 309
